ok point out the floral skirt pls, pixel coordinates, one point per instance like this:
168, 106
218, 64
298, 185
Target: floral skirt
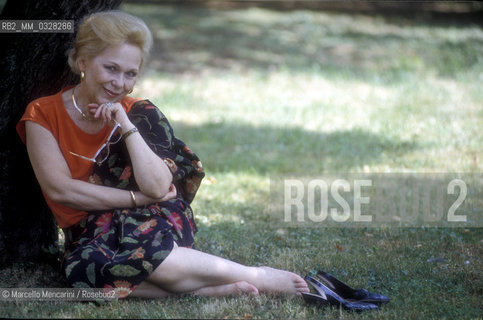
119, 249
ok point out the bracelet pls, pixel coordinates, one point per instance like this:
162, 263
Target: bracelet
133, 198
128, 133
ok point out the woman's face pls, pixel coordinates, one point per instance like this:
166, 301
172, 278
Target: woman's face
112, 74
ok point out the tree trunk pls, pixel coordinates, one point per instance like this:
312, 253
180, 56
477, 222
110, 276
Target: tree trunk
32, 65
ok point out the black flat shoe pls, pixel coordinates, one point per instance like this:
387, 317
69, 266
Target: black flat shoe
349, 293
315, 299
326, 296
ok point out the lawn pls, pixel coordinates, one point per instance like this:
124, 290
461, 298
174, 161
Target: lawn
260, 95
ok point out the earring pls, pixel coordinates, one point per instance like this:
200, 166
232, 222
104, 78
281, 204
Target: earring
130, 91
82, 75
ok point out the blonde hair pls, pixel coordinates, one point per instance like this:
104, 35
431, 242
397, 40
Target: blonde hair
101, 30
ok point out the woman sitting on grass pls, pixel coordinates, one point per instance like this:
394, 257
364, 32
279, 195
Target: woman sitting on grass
119, 183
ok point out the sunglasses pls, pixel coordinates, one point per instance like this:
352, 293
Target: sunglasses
103, 152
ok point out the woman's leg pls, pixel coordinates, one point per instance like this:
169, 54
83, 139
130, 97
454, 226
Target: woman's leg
187, 270
237, 288
149, 290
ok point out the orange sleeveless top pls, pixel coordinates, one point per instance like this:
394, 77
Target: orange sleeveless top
51, 114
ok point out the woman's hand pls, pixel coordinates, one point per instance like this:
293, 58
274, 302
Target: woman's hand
142, 199
171, 193
110, 112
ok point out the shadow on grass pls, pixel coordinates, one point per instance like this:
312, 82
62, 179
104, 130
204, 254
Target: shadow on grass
397, 262
225, 147
193, 39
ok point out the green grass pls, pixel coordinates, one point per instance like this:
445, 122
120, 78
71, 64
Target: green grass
259, 94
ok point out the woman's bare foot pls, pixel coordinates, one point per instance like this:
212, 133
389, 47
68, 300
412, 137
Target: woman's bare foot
280, 281
237, 289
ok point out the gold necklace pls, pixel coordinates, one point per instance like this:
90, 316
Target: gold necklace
84, 116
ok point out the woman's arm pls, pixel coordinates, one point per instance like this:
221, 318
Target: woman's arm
152, 175
55, 179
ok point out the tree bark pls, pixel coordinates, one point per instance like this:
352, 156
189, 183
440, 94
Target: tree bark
32, 65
